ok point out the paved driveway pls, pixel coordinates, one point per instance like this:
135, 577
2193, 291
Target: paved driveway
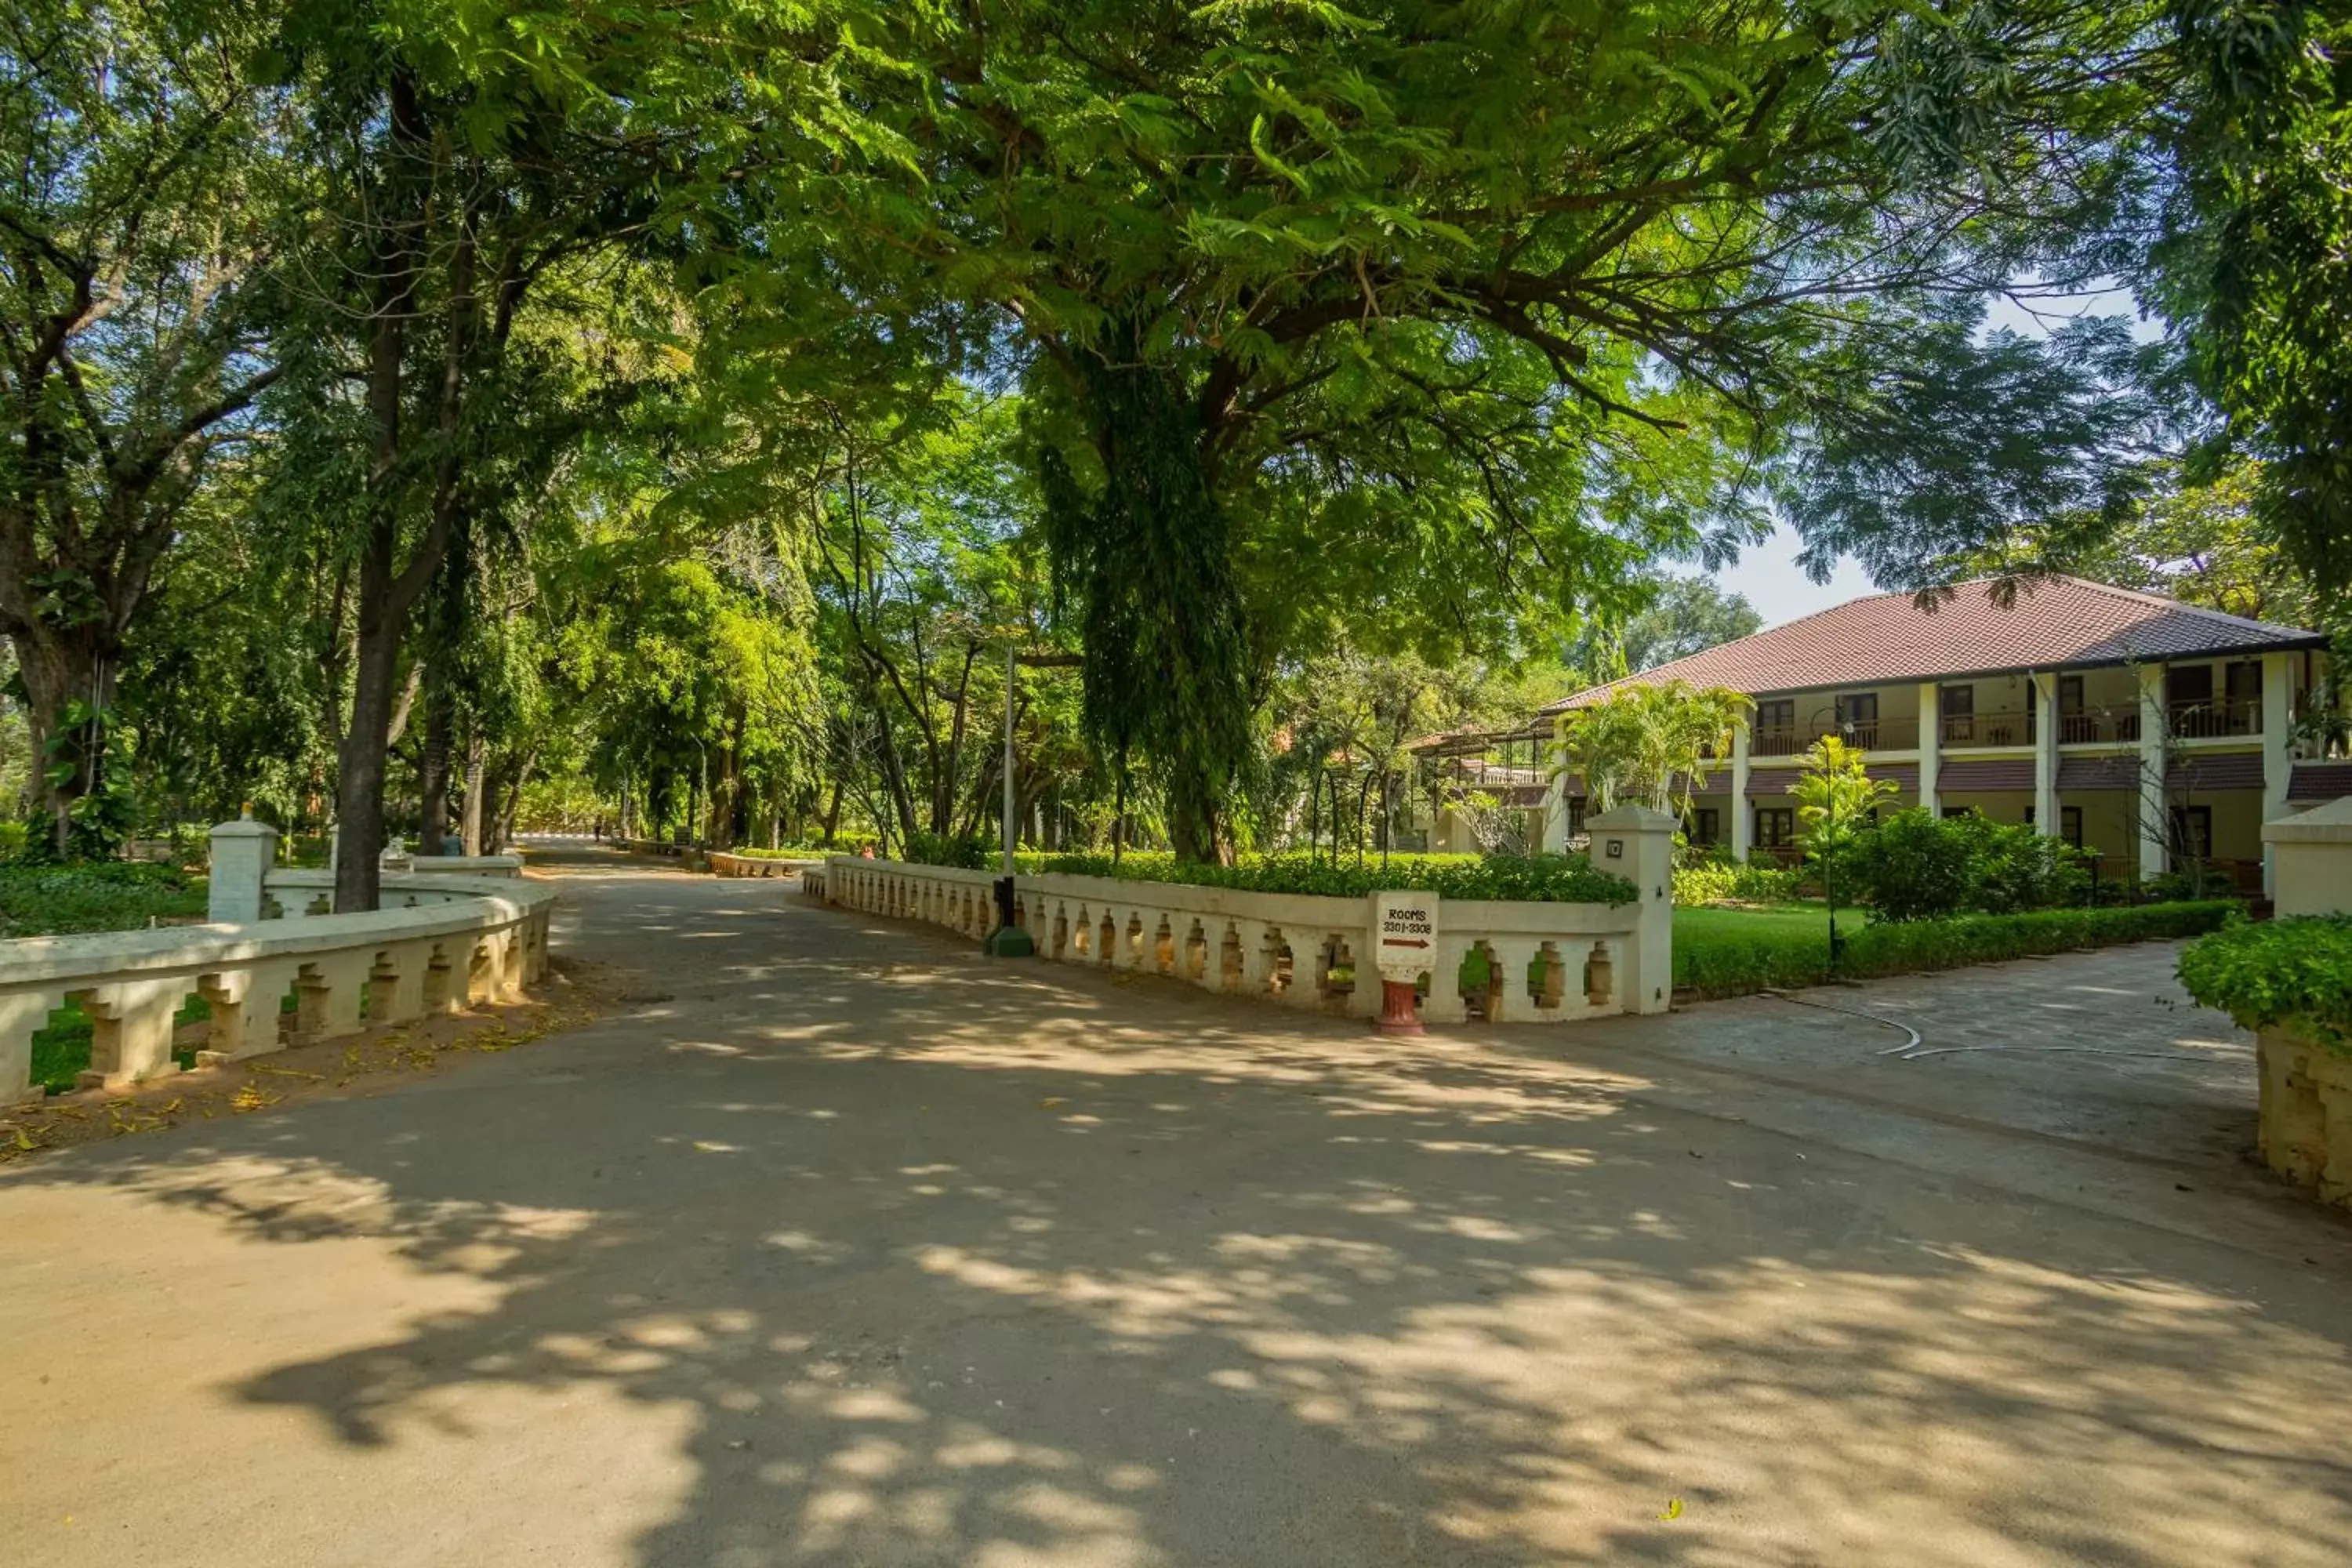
855, 1248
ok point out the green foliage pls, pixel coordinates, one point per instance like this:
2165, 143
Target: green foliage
1729, 961
1913, 866
966, 851
1638, 744
1685, 616
99, 896
2297, 972
1731, 883
1835, 796
1545, 879
2257, 259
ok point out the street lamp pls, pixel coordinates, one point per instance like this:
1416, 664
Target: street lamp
1008, 939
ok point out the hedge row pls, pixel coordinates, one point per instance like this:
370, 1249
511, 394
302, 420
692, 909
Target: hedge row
2297, 969
1547, 878
1723, 965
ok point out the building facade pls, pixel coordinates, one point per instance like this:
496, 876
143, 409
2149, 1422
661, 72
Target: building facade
2139, 728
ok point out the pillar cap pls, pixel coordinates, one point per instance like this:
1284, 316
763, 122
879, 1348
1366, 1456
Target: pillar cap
1634, 818
244, 828
2329, 824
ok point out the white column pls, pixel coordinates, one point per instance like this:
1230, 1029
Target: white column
1743, 821
1931, 745
2045, 753
2278, 751
241, 853
1638, 844
2153, 828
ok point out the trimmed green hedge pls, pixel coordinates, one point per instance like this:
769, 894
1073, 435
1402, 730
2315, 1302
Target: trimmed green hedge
1540, 878
2297, 969
1716, 883
1725, 964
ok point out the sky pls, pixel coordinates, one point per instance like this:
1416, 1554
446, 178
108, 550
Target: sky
1768, 574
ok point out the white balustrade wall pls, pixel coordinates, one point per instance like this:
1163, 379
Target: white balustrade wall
1544, 962
438, 943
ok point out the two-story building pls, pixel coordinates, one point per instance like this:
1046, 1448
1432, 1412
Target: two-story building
2129, 723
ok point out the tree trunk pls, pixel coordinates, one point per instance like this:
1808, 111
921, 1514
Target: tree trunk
832, 814
433, 772
58, 671
359, 784
476, 807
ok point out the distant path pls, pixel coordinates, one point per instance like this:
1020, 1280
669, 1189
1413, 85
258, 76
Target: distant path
845, 1244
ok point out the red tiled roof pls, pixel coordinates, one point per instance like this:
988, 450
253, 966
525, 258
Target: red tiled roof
2055, 622
2319, 781
2216, 770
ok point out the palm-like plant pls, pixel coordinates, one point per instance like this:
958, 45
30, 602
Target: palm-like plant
1642, 742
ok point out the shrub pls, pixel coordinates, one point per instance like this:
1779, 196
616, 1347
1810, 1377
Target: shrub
965, 851
1776, 956
103, 895
1729, 882
1916, 867
2297, 969
1548, 879
13, 838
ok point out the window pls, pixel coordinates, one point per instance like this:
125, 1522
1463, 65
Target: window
2073, 723
1577, 804
2070, 825
1776, 826
1703, 825
2187, 685
1961, 810
2192, 831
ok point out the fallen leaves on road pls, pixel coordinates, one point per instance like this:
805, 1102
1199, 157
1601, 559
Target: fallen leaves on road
581, 994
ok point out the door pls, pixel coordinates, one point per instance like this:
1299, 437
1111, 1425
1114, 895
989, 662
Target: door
2072, 723
1956, 706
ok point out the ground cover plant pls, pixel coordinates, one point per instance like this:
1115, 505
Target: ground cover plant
2297, 972
98, 896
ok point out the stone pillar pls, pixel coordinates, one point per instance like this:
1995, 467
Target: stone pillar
242, 852
2045, 753
2154, 834
2278, 751
1743, 818
2312, 853
1931, 745
1638, 844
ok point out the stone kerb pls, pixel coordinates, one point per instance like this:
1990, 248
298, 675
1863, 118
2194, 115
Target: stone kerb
448, 940
1543, 962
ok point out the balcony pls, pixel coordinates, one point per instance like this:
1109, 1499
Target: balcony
2212, 720
2012, 727
2087, 729
1870, 734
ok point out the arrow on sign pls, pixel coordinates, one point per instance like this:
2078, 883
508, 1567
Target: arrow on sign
1403, 942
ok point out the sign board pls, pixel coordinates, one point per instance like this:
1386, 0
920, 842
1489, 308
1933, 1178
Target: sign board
1404, 932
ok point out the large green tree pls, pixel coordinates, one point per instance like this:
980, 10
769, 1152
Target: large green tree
136, 247
1416, 307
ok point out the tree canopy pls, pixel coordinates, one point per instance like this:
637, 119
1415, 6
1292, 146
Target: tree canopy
411, 418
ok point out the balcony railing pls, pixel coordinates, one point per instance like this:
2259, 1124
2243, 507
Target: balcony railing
1870, 734
2205, 720
2014, 727
2081, 729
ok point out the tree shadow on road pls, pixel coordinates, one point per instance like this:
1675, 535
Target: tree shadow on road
959, 1264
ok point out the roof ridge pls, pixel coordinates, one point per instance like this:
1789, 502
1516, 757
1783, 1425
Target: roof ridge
2167, 602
